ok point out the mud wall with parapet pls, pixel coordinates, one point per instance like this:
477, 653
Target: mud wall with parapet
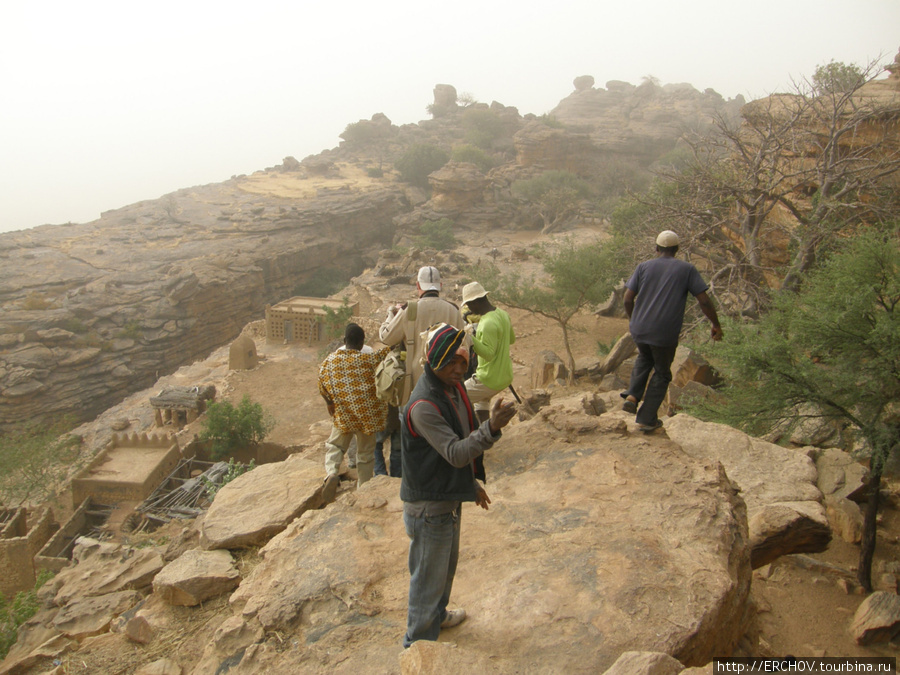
112, 478
19, 544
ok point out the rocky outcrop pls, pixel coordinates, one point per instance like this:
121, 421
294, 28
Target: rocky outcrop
639, 122
645, 663
93, 312
840, 475
84, 617
103, 569
553, 149
784, 506
605, 540
588, 579
457, 186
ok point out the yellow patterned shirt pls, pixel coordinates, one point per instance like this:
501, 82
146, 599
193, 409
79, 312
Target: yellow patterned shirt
347, 378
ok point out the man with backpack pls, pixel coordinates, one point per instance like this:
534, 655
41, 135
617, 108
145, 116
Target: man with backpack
405, 323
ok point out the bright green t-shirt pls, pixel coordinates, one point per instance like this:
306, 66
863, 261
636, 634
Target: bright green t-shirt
491, 343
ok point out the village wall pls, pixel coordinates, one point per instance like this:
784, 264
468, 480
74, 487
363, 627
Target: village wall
18, 546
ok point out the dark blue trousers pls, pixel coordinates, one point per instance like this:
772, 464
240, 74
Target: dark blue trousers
652, 393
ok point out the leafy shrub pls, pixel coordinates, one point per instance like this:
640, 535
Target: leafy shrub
436, 234
375, 172
132, 330
16, 612
360, 133
549, 120
604, 348
474, 155
482, 127
419, 161
231, 428
337, 319
465, 99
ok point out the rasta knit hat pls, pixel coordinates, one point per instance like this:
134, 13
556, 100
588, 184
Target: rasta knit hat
441, 344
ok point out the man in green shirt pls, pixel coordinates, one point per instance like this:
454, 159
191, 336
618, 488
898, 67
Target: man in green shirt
491, 342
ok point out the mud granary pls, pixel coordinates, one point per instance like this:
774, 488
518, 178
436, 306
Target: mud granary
301, 320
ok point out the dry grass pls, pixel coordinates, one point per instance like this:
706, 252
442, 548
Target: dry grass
296, 185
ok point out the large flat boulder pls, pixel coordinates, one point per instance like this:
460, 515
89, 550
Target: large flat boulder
92, 615
598, 542
784, 506
259, 504
840, 475
103, 568
196, 576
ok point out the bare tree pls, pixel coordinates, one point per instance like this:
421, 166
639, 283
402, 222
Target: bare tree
759, 198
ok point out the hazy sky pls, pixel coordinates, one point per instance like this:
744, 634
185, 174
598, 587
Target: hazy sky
107, 103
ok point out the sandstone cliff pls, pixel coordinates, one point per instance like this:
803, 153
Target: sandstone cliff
92, 312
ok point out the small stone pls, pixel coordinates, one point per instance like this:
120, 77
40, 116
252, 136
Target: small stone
160, 667
877, 619
139, 630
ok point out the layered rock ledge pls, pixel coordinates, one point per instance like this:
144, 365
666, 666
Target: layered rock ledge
93, 312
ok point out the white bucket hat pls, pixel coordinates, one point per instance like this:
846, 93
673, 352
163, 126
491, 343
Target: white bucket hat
472, 291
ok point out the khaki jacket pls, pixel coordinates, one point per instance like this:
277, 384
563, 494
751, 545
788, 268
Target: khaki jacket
429, 311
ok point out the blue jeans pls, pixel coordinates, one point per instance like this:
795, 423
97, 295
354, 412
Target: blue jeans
380, 468
433, 554
659, 360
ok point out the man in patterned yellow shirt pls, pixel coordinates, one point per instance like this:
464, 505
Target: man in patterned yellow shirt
347, 383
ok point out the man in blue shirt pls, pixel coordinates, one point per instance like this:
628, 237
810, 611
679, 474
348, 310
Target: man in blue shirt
655, 297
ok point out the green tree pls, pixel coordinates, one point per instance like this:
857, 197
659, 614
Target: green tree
437, 234
336, 320
482, 126
230, 428
577, 276
836, 77
235, 469
834, 347
473, 155
554, 195
419, 161
35, 459
374, 135
15, 612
